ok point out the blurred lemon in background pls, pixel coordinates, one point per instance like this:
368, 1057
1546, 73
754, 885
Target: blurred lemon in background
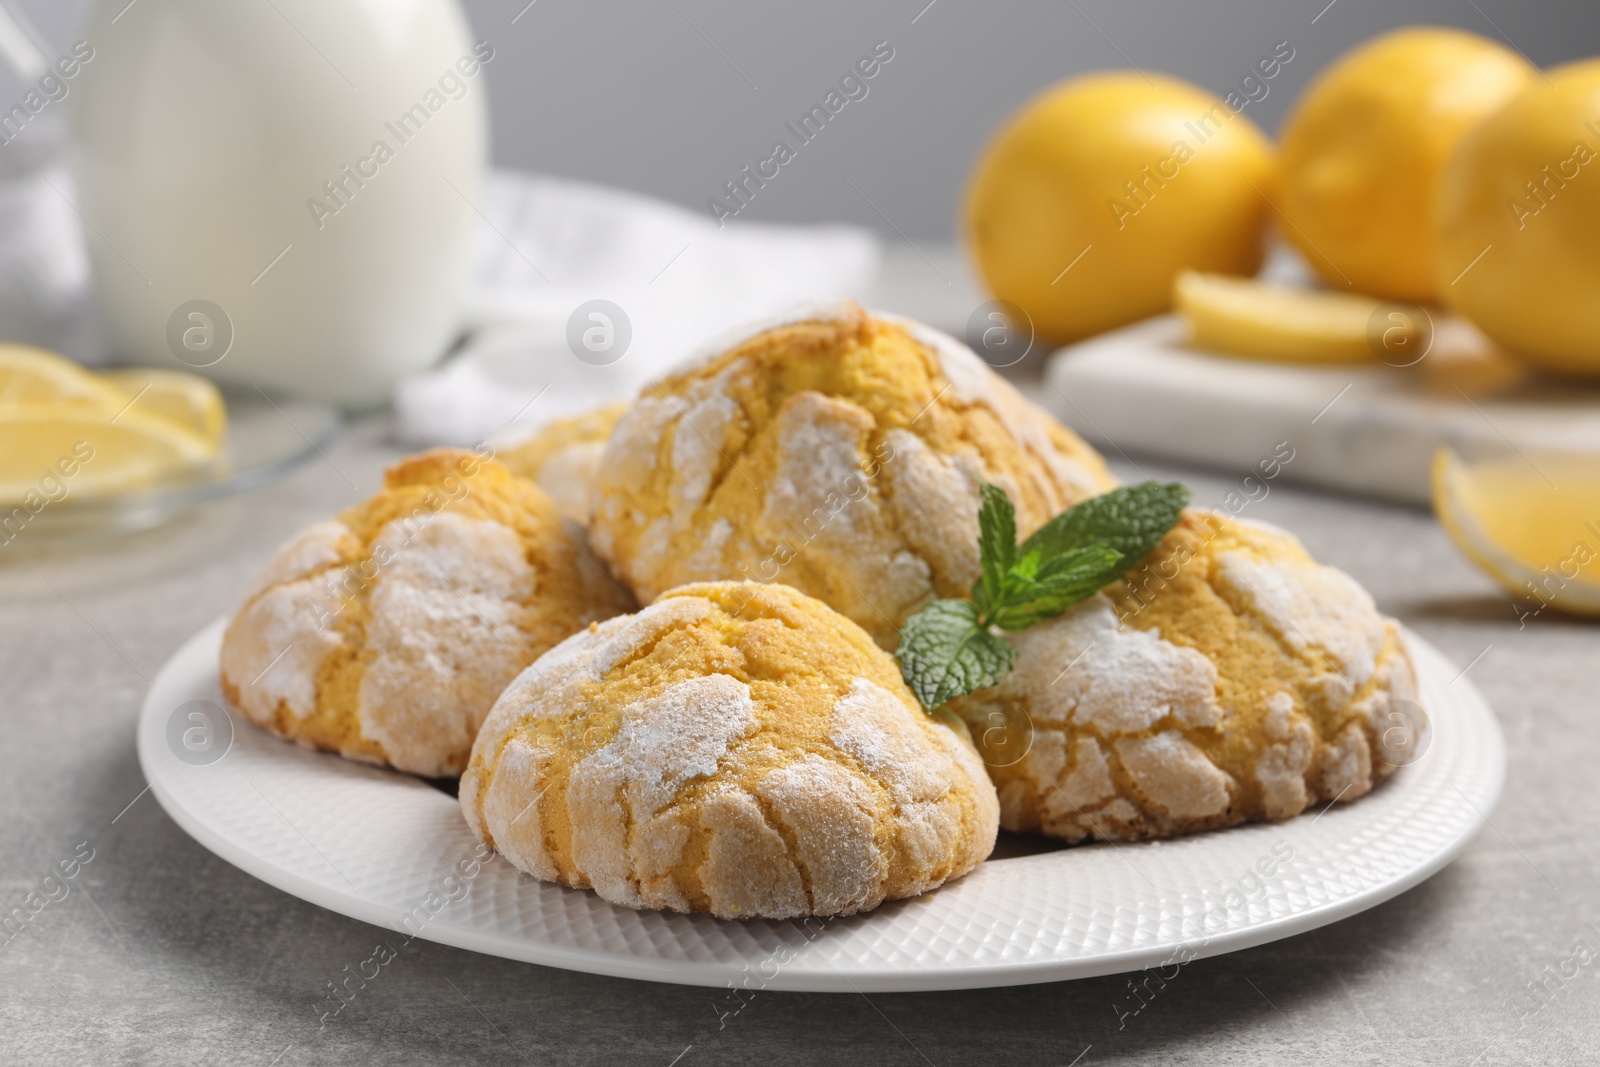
1518, 223
1094, 196
1531, 522
1364, 147
134, 452
188, 400
1259, 320
33, 375
66, 431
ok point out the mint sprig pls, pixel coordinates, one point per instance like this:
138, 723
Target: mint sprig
950, 648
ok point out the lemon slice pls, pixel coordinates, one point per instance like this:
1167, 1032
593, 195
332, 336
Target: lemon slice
1532, 524
34, 376
186, 399
51, 451
1259, 320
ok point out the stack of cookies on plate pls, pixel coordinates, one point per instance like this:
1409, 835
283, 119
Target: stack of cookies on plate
745, 743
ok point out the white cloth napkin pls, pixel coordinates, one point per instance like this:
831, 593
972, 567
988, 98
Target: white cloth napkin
550, 245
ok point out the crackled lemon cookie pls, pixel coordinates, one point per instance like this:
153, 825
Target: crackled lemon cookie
1229, 678
562, 455
386, 634
840, 454
734, 748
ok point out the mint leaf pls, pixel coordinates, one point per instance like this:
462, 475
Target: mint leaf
1131, 520
1071, 577
997, 546
946, 652
950, 649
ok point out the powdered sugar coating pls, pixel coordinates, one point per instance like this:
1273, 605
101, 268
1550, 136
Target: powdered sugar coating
315, 548
1174, 776
443, 635
282, 639
1310, 606
663, 742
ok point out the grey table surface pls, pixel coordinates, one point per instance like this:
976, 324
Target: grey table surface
163, 953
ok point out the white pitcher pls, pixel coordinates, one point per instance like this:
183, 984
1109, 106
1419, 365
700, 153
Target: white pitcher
281, 193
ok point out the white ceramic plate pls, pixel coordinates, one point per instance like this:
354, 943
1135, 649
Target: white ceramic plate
394, 850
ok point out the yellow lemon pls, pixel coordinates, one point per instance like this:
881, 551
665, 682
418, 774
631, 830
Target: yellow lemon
34, 376
1363, 149
1286, 324
188, 400
1531, 522
1259, 320
1518, 219
1095, 195
46, 446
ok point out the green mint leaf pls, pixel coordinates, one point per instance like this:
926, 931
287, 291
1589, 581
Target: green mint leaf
997, 546
948, 649
945, 653
1067, 579
1132, 520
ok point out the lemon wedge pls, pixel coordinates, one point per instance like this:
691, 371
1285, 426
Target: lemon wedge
1531, 523
1260, 320
188, 400
34, 376
54, 450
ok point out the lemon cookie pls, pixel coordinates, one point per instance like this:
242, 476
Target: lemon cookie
840, 454
1229, 678
734, 748
386, 634
561, 457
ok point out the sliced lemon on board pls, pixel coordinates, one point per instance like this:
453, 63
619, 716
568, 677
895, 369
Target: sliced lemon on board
1531, 523
186, 399
1261, 320
51, 451
34, 376
1314, 327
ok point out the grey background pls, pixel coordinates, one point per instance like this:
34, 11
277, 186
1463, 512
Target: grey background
673, 97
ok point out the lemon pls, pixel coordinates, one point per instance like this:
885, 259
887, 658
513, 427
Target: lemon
1259, 320
1095, 195
186, 399
1364, 147
1518, 215
65, 431
51, 451
32, 375
1532, 523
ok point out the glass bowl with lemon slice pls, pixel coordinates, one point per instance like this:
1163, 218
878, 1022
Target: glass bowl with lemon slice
86, 454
